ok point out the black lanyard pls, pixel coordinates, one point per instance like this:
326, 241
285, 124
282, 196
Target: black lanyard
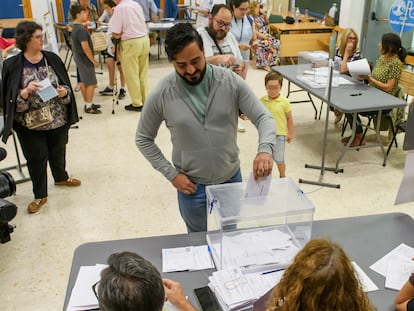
213, 36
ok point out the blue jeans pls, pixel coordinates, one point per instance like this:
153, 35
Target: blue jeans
193, 208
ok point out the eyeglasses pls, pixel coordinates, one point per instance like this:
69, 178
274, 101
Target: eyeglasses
38, 37
95, 289
243, 9
223, 24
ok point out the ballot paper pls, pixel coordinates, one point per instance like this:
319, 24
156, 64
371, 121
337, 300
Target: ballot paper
82, 296
257, 250
259, 187
403, 251
367, 284
359, 67
236, 291
398, 271
47, 91
187, 258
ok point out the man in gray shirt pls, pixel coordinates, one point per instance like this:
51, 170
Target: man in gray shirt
199, 104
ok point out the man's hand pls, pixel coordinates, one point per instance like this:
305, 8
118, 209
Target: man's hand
227, 59
244, 47
262, 165
184, 184
175, 294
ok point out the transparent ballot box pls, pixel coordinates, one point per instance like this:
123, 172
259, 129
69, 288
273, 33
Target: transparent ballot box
257, 233
313, 68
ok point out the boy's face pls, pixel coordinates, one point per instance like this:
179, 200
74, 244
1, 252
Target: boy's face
82, 16
273, 88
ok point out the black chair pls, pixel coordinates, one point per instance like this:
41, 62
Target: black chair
63, 29
399, 128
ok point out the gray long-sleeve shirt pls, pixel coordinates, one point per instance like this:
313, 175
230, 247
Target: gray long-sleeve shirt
205, 150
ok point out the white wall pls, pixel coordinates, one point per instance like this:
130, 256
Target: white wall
41, 7
351, 15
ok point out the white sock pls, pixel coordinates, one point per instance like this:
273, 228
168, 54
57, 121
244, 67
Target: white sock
88, 105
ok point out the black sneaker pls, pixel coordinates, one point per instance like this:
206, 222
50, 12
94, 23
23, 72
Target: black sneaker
130, 107
122, 94
96, 106
92, 110
106, 91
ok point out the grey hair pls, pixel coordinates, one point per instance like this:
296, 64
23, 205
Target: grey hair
130, 283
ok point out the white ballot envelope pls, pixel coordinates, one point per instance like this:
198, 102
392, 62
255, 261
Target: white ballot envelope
359, 67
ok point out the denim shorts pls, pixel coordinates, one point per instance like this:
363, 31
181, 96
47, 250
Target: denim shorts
279, 152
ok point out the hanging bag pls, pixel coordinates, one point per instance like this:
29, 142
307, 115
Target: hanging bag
99, 41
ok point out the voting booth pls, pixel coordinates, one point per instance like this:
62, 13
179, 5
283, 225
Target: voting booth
257, 233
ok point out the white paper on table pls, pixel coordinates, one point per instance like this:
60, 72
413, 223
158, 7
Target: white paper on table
47, 91
177, 259
402, 251
367, 284
399, 269
359, 67
82, 296
257, 188
186, 258
405, 192
201, 258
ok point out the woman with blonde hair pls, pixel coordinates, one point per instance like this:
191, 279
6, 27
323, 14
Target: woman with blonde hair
321, 277
347, 50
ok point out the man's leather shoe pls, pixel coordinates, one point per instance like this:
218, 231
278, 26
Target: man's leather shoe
71, 182
34, 206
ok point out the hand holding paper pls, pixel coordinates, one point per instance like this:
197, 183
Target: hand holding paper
359, 67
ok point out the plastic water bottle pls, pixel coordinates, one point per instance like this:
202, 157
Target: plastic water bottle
297, 15
333, 10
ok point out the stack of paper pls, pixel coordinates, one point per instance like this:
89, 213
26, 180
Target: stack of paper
396, 266
237, 291
252, 249
82, 296
186, 258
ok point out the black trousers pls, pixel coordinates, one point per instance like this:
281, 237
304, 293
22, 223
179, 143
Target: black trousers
39, 147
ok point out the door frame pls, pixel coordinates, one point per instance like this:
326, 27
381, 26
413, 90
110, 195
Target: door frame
27, 9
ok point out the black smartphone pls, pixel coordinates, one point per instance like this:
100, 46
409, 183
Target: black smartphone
207, 299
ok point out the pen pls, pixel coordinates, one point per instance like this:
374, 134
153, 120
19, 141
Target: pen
272, 271
356, 94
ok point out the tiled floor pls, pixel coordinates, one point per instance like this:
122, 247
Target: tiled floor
122, 196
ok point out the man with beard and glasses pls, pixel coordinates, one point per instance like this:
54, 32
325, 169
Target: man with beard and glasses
220, 46
200, 105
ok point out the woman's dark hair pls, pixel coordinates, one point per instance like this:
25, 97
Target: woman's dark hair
236, 3
391, 43
178, 37
24, 32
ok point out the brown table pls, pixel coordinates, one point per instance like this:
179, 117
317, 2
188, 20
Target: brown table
12, 22
298, 37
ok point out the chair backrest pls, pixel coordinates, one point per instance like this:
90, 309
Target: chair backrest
407, 82
274, 18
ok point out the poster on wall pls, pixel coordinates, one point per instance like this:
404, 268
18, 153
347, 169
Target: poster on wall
50, 35
401, 16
